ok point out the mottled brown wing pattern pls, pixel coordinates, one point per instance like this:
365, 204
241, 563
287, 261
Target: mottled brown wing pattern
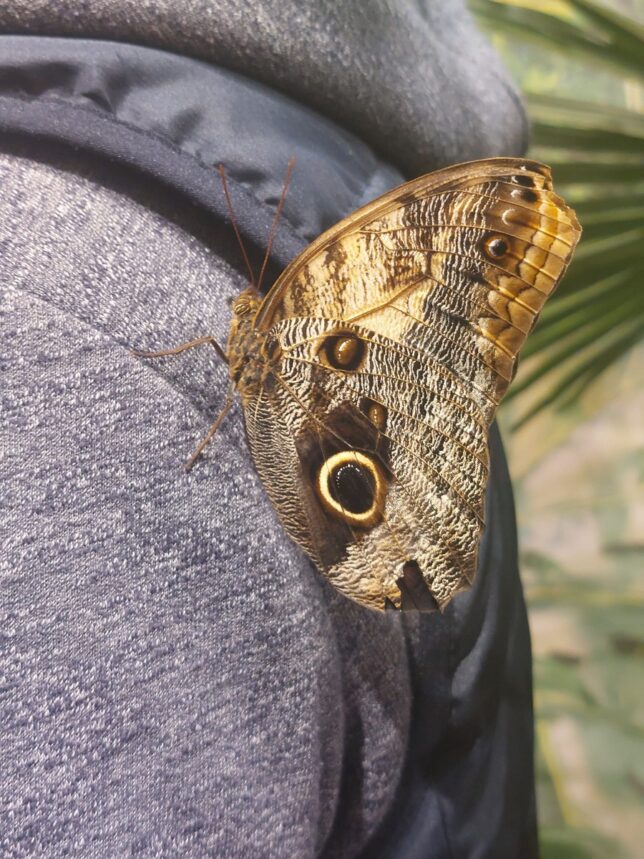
396, 335
432, 449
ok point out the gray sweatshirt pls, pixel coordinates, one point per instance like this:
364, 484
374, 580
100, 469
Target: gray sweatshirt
177, 679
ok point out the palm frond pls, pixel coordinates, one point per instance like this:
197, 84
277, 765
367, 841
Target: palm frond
596, 151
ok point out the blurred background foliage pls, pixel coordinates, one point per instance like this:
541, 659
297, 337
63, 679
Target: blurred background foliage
582, 68
574, 424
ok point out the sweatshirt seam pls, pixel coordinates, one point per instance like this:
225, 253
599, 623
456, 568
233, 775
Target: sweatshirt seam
152, 135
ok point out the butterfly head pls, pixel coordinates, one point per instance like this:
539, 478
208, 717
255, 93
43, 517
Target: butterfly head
246, 303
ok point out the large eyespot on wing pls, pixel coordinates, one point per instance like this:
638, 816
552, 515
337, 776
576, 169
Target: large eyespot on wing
324, 467
391, 460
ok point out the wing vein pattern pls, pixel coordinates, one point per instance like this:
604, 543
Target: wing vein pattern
431, 291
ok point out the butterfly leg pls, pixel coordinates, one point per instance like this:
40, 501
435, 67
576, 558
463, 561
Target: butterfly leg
213, 429
200, 341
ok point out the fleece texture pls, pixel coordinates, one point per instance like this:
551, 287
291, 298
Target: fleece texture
176, 679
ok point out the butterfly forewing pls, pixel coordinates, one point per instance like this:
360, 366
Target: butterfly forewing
398, 334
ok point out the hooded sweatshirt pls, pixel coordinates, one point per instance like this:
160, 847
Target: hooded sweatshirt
179, 680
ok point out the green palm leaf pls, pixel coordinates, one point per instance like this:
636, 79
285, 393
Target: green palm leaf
596, 151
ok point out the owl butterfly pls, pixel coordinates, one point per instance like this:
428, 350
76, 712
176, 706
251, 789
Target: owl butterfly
370, 373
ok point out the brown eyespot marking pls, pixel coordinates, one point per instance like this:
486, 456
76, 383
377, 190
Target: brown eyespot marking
352, 486
344, 351
523, 179
495, 247
375, 412
526, 194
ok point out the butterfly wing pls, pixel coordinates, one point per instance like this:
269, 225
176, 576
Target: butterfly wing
394, 337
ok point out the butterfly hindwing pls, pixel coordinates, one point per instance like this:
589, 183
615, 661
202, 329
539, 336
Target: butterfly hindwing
427, 442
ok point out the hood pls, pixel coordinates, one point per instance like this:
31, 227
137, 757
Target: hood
416, 80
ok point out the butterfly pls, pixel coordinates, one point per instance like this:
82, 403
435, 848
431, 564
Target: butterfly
370, 373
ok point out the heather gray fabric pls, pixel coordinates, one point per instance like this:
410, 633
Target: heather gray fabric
442, 95
177, 679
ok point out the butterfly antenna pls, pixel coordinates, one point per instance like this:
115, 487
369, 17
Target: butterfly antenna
278, 212
222, 173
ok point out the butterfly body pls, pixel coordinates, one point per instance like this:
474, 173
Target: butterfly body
247, 359
370, 373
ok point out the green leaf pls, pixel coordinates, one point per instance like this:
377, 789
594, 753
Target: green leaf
573, 843
586, 372
608, 314
602, 258
591, 293
548, 132
569, 123
575, 113
630, 203
596, 152
624, 35
599, 37
567, 170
